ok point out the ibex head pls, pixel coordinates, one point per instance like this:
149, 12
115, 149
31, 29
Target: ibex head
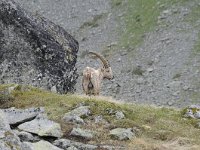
105, 69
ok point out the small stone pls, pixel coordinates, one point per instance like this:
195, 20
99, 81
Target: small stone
98, 119
170, 103
189, 114
76, 114
87, 134
54, 89
197, 115
119, 60
72, 148
122, 133
185, 88
150, 70
119, 115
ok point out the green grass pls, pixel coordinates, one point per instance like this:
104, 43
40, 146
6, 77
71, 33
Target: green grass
163, 124
140, 17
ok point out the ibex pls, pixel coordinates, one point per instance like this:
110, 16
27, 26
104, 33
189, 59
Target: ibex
92, 78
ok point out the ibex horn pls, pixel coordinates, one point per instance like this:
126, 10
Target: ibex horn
105, 62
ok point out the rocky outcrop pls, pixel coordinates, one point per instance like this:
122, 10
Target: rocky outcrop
35, 51
42, 127
76, 114
40, 133
16, 116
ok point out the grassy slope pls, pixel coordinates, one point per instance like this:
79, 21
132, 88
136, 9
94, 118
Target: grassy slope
156, 125
139, 17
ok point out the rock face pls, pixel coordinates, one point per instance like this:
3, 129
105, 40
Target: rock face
15, 116
35, 51
42, 127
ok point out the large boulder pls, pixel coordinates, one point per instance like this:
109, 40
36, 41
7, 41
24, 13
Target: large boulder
35, 51
16, 116
42, 127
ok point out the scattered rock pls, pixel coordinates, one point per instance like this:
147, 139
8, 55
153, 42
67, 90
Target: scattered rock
98, 119
193, 111
76, 114
27, 137
86, 134
197, 114
41, 145
72, 148
16, 116
122, 133
170, 103
42, 127
119, 115
150, 69
65, 143
189, 114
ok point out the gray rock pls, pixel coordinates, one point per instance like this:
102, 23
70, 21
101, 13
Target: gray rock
194, 107
122, 134
119, 115
197, 114
108, 147
65, 143
189, 114
4, 124
72, 148
27, 137
42, 127
98, 119
15, 116
87, 134
170, 103
150, 69
76, 114
10, 141
35, 51
41, 145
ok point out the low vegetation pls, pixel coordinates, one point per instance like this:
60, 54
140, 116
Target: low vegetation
139, 17
160, 126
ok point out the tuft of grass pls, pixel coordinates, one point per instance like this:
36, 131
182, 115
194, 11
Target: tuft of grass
92, 23
138, 71
176, 76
